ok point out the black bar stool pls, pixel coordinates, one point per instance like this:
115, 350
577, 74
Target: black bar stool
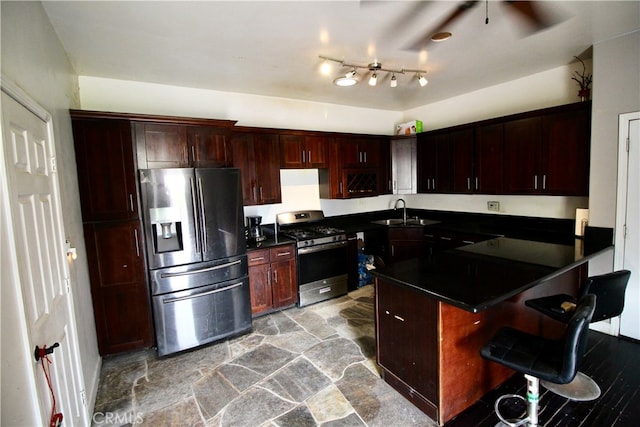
609, 290
539, 358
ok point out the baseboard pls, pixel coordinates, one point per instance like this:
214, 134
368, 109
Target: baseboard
92, 387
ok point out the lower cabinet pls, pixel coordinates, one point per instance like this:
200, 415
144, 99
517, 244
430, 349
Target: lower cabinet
405, 243
272, 278
407, 330
118, 286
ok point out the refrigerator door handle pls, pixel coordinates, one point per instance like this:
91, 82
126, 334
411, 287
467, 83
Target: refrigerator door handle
195, 217
200, 270
202, 294
203, 216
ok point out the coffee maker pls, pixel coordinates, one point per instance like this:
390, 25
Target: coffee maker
254, 229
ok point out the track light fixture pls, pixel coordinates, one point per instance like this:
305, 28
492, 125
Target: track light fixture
351, 78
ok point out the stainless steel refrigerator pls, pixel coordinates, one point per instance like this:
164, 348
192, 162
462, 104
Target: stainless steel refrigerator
196, 253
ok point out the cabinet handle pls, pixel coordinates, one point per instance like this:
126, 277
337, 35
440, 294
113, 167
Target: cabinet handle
340, 188
359, 156
398, 317
468, 183
309, 156
445, 238
365, 157
393, 250
477, 188
428, 235
468, 242
386, 312
185, 155
131, 202
269, 277
544, 182
395, 185
260, 258
303, 159
275, 276
535, 182
135, 235
255, 193
283, 253
434, 183
261, 196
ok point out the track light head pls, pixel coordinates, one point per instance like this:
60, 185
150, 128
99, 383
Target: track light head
373, 79
394, 81
423, 82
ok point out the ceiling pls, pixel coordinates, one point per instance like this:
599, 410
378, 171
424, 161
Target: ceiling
271, 48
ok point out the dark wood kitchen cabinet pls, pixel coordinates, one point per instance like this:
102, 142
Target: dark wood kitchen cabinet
272, 278
405, 243
358, 167
106, 171
170, 145
303, 151
118, 286
477, 159
257, 155
548, 153
407, 331
434, 162
106, 168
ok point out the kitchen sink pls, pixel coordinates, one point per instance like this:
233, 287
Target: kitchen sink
410, 221
394, 221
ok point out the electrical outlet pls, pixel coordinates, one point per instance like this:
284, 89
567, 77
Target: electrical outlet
493, 206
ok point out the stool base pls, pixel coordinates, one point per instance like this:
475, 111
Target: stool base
581, 389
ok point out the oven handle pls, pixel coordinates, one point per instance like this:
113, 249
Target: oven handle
200, 270
202, 294
323, 247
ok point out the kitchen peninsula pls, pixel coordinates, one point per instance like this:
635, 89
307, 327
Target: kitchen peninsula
435, 312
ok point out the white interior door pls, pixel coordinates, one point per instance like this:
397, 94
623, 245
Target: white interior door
42, 283
628, 221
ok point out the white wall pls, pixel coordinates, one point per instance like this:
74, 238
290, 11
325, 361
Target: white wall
617, 69
33, 59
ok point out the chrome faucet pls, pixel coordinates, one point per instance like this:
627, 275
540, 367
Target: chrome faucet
404, 209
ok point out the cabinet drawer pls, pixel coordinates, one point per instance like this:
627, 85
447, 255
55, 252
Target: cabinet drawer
258, 257
282, 253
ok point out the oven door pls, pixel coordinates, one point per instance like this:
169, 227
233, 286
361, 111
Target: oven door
322, 272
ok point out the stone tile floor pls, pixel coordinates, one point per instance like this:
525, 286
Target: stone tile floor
312, 366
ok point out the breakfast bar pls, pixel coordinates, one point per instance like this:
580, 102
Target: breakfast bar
435, 312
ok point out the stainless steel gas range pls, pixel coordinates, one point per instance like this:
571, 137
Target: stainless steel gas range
322, 255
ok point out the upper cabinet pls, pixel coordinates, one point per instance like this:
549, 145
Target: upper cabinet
404, 165
434, 162
207, 146
548, 153
106, 170
161, 145
358, 167
542, 152
303, 151
257, 155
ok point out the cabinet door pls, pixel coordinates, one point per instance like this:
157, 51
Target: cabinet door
316, 151
208, 147
463, 178
565, 153
292, 152
489, 159
285, 289
118, 288
161, 146
106, 171
522, 139
434, 163
267, 167
350, 154
260, 288
404, 165
243, 159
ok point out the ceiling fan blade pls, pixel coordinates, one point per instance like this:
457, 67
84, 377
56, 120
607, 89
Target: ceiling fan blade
423, 41
533, 14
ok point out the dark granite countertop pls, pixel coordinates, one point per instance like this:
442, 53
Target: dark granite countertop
478, 276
